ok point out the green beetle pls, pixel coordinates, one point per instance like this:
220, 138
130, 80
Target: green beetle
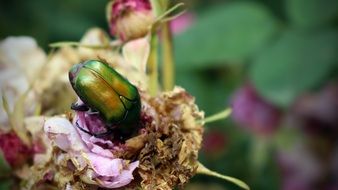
105, 92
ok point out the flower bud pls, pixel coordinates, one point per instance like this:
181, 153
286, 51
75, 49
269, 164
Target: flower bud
129, 19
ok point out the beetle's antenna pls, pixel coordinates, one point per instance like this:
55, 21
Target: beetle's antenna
102, 59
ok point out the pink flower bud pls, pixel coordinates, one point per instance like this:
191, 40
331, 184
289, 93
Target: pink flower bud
129, 19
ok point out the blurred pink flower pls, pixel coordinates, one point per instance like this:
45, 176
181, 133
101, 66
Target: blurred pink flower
15, 151
182, 23
300, 169
253, 112
129, 19
318, 111
95, 153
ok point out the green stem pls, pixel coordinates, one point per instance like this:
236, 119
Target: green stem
162, 17
168, 59
203, 170
78, 44
152, 68
216, 117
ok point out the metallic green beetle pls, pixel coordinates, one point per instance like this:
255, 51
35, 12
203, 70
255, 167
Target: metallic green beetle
105, 92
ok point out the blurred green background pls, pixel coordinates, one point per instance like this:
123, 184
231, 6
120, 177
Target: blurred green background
274, 61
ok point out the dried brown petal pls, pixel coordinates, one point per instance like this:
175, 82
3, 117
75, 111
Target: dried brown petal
169, 157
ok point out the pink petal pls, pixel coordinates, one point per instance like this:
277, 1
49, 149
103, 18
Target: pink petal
90, 140
125, 177
112, 173
136, 53
104, 166
62, 132
108, 172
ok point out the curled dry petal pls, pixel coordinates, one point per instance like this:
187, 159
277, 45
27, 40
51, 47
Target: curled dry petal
65, 136
41, 144
122, 179
99, 38
136, 53
91, 141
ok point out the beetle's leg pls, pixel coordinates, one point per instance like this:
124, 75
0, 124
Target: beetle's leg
79, 107
124, 117
97, 135
100, 135
92, 112
82, 129
112, 126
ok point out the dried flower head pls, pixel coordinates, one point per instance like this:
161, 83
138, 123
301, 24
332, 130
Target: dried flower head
169, 155
163, 153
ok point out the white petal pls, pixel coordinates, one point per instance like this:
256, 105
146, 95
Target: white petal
136, 53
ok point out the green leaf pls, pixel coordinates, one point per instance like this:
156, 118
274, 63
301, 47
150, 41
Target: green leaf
6, 184
227, 33
297, 62
4, 166
210, 92
311, 13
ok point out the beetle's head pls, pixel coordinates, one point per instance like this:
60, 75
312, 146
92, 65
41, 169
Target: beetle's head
73, 72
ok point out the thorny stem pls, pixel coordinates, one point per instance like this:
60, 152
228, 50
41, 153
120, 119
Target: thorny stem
203, 170
168, 60
218, 116
152, 68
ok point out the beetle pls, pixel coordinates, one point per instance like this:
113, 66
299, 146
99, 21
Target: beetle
107, 93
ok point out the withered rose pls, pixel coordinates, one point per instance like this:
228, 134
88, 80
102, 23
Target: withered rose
162, 155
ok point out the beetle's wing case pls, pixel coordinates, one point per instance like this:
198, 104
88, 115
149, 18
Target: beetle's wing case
97, 93
120, 84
